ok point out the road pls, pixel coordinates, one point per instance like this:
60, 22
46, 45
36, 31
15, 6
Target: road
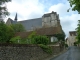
73, 53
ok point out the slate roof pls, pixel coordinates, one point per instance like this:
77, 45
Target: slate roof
74, 33
29, 24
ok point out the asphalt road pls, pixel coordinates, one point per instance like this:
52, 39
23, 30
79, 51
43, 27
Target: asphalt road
73, 53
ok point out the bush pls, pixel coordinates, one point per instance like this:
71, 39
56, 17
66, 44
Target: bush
38, 39
41, 40
46, 48
5, 33
66, 45
18, 40
15, 39
75, 43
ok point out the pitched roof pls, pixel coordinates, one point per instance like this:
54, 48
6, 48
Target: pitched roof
73, 33
31, 23
9, 21
23, 34
48, 31
41, 31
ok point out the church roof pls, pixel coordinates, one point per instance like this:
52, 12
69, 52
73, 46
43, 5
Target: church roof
32, 23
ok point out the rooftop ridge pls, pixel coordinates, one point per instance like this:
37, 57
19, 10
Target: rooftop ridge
29, 19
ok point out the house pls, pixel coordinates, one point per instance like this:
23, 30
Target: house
72, 38
48, 24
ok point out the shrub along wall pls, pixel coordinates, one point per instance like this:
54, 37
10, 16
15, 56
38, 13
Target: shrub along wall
22, 52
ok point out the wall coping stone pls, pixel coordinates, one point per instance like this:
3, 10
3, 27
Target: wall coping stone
18, 45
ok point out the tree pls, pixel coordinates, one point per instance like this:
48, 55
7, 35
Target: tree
75, 5
78, 31
10, 32
3, 9
18, 27
5, 33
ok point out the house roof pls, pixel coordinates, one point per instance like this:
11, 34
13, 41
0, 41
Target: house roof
41, 31
48, 31
72, 33
23, 34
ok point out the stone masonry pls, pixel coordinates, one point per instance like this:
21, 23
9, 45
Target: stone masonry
22, 52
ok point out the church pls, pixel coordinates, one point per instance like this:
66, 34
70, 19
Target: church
48, 24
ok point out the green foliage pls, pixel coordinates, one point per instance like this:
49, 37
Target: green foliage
3, 9
75, 5
18, 27
75, 43
38, 39
32, 39
5, 33
78, 31
66, 45
15, 39
19, 40
60, 36
46, 48
32, 35
41, 40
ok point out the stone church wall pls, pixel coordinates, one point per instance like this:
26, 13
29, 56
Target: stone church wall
51, 20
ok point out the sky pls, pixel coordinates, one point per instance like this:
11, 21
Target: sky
29, 9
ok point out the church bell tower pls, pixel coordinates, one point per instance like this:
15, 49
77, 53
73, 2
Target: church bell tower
15, 17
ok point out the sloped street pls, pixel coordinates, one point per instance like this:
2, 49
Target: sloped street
73, 53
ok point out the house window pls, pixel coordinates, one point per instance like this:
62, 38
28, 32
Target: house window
54, 39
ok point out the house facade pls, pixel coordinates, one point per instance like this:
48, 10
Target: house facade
48, 24
72, 38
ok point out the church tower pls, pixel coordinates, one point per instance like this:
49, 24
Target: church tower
15, 19
50, 19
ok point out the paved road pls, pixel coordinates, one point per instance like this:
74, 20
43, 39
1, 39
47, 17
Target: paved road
73, 53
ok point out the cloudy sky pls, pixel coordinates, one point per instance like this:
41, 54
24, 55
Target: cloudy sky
29, 9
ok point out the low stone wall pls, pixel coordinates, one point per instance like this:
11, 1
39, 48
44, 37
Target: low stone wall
23, 52
55, 49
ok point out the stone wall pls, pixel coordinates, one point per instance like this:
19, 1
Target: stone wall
23, 52
55, 49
